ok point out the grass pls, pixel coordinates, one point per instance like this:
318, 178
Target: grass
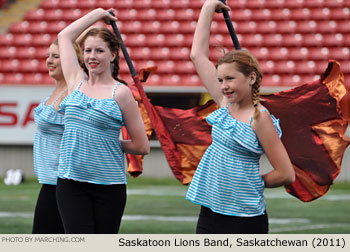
158, 206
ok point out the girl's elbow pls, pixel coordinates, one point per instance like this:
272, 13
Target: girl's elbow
290, 178
145, 149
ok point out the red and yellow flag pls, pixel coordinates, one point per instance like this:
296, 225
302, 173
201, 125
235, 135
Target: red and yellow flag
310, 116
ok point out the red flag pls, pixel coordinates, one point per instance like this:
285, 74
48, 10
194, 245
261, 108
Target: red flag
311, 121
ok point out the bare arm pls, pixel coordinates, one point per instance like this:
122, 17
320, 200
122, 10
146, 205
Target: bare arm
72, 71
283, 172
139, 143
200, 49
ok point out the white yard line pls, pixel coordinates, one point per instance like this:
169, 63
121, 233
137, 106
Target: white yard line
307, 227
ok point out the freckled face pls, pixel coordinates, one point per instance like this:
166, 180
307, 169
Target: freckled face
53, 62
97, 56
234, 85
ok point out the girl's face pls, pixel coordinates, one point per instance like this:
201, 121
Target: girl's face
234, 85
53, 62
97, 56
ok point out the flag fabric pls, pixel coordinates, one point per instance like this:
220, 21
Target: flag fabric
310, 118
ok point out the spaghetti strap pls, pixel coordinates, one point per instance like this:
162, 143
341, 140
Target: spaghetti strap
114, 89
59, 97
79, 85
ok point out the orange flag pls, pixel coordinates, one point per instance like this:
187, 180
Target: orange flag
311, 121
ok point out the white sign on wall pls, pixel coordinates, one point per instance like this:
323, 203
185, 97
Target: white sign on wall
17, 105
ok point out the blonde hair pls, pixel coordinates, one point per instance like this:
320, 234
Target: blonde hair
246, 64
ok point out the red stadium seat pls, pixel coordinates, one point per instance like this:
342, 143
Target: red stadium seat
35, 15
343, 26
28, 52
9, 65
309, 26
329, 26
281, 14
339, 53
8, 52
267, 66
137, 53
179, 53
261, 53
272, 40
19, 27
130, 27
22, 39
271, 80
298, 53
286, 26
305, 67
49, 4
320, 14
340, 13
293, 39
41, 39
11, 78
300, 14
335, 39
150, 27
284, 66
244, 27
184, 67
160, 53
319, 53
6, 39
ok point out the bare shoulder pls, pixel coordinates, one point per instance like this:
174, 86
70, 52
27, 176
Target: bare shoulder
123, 95
263, 121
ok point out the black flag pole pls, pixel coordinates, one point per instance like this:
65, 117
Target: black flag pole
123, 48
230, 27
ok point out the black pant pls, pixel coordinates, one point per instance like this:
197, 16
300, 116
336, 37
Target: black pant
47, 219
214, 223
88, 208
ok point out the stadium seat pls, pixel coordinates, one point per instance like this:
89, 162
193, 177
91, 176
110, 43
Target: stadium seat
8, 52
27, 52
306, 26
340, 13
6, 39
35, 15
286, 26
305, 67
131, 27
300, 14
20, 27
339, 53
318, 53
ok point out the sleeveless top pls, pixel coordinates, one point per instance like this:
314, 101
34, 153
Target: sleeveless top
227, 179
90, 147
47, 140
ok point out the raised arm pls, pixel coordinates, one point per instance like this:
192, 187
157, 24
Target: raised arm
283, 172
72, 71
200, 49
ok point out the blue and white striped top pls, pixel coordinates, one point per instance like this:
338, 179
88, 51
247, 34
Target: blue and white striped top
47, 140
90, 147
227, 179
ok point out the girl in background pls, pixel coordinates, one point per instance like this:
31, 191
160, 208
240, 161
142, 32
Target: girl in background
227, 183
46, 148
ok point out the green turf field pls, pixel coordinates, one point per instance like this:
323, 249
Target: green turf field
159, 206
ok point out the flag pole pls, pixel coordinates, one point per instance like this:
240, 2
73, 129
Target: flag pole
230, 27
162, 133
